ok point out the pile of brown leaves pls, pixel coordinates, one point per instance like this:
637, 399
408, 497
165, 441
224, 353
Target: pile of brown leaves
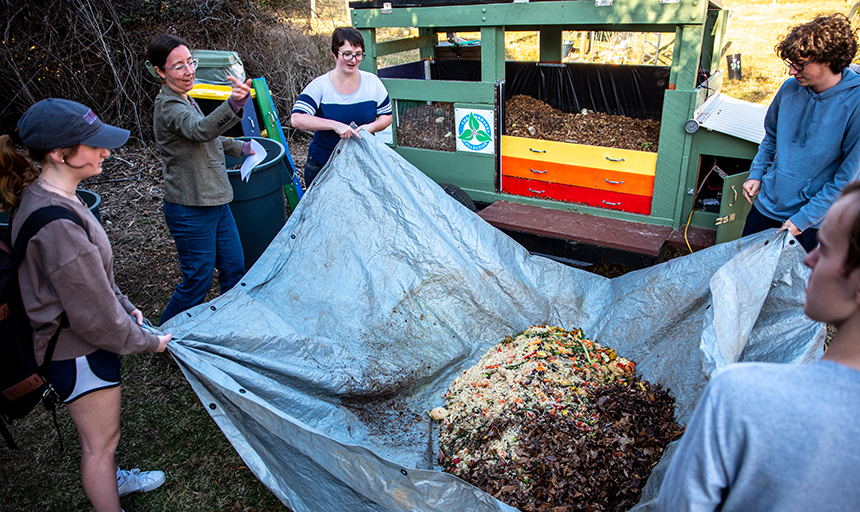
605, 471
531, 118
589, 445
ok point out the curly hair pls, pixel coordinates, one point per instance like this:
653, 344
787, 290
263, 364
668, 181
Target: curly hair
826, 39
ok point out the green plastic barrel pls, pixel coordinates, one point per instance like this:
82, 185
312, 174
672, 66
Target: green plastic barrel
91, 199
258, 204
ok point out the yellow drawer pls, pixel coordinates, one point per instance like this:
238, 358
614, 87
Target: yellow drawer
595, 157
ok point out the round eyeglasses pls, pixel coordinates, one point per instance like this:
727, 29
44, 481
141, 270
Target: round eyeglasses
184, 68
350, 55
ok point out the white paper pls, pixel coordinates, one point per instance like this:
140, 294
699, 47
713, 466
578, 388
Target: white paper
252, 160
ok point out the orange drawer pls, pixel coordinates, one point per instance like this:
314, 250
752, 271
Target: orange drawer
572, 194
595, 157
578, 175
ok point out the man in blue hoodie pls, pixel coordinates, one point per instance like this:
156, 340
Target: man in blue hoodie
810, 150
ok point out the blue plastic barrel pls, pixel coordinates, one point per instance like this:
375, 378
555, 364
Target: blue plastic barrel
258, 204
91, 199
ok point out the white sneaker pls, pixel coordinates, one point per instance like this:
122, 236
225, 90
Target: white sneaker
139, 481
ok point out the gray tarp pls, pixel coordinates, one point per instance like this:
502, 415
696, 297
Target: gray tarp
380, 289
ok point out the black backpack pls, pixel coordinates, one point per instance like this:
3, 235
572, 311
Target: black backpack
22, 381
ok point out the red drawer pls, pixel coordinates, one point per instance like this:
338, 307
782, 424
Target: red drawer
571, 194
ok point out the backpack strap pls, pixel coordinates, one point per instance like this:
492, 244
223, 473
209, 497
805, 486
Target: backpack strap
36, 221
32, 224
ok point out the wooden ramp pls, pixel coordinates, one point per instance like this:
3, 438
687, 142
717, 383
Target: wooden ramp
581, 239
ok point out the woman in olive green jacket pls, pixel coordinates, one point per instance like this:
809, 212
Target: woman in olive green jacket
197, 192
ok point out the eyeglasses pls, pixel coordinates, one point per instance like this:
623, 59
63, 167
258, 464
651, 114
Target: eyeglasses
350, 56
181, 69
797, 66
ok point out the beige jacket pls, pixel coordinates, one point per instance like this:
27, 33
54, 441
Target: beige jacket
69, 269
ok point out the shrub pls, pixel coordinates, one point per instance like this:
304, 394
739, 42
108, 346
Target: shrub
92, 51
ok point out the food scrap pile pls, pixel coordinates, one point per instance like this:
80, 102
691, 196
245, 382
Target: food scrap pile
549, 420
531, 118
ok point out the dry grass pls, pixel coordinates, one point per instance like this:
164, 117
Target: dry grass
754, 29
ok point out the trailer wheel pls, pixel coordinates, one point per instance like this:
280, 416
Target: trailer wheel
460, 196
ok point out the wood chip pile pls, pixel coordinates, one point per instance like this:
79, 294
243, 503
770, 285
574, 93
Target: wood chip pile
549, 420
531, 118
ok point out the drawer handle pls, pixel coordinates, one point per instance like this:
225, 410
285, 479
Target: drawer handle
537, 191
537, 150
611, 204
735, 198
538, 172
614, 182
614, 159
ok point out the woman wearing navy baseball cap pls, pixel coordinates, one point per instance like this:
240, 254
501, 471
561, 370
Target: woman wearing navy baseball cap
68, 269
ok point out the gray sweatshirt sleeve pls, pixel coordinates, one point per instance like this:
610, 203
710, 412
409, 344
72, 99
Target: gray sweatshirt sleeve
65, 267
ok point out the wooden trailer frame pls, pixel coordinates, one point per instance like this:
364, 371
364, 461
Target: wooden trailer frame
699, 27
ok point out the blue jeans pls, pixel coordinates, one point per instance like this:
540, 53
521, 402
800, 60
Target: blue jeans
757, 222
312, 168
206, 238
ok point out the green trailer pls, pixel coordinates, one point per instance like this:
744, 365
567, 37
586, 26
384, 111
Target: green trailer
567, 200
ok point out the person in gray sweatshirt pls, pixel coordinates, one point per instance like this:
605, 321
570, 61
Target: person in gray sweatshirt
810, 150
783, 437
68, 270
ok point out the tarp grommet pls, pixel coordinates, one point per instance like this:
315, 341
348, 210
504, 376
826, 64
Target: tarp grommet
213, 406
403, 471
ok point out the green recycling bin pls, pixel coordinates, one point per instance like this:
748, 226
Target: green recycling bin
91, 199
258, 204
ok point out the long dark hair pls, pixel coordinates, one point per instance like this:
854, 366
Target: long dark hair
16, 172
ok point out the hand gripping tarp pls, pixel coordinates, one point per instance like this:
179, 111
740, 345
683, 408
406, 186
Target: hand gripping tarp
380, 289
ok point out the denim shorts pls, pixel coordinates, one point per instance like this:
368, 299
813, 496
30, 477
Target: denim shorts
74, 378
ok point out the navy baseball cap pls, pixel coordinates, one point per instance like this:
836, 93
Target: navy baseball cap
56, 123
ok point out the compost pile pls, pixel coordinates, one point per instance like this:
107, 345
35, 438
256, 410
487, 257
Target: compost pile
549, 420
531, 118
427, 127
